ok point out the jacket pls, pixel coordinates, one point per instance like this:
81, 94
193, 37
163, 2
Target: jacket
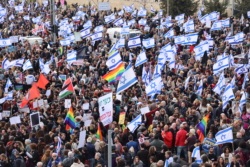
139, 164
77, 165
128, 158
181, 137
167, 138
143, 156
99, 161
91, 150
157, 143
174, 164
67, 162
50, 164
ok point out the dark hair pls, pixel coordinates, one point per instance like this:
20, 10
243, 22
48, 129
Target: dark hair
157, 136
121, 163
225, 148
125, 148
143, 145
130, 137
153, 159
76, 160
242, 144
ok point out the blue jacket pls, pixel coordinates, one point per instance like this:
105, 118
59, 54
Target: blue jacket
91, 150
134, 144
58, 159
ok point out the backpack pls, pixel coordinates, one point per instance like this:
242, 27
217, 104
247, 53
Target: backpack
170, 109
68, 162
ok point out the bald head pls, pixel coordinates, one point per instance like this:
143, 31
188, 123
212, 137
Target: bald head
181, 126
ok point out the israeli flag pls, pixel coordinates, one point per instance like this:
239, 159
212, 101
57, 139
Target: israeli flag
26, 17
141, 58
248, 14
114, 60
121, 43
212, 16
134, 42
179, 39
169, 34
125, 30
58, 148
85, 32
239, 37
144, 75
5, 64
71, 56
9, 96
200, 49
199, 14
189, 26
227, 95
226, 23
142, 22
191, 39
142, 13
224, 136
186, 82
200, 88
148, 43
152, 87
220, 65
120, 13
76, 18
232, 83
118, 22
180, 18
216, 26
110, 18
128, 9
65, 42
128, 79
135, 123
88, 24
27, 65
16, 63
19, 8
157, 70
71, 37
5, 42
197, 155
204, 19
241, 69
131, 22
242, 101
96, 36
41, 64
244, 82
220, 84
8, 84
11, 17
152, 9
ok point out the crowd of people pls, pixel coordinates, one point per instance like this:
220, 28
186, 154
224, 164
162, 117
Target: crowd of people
167, 136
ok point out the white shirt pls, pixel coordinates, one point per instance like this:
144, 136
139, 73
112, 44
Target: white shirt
30, 79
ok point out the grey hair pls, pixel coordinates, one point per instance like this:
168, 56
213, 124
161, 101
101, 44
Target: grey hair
238, 135
39, 163
27, 141
98, 154
70, 154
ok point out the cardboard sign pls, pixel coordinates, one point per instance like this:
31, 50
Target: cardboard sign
6, 113
104, 6
122, 118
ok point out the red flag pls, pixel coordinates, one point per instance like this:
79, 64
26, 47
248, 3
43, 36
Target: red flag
32, 94
42, 82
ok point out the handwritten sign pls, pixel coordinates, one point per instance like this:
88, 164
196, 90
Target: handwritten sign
12, 49
122, 118
104, 6
6, 113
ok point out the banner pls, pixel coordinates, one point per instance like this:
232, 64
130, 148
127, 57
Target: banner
207, 143
106, 109
38, 29
122, 118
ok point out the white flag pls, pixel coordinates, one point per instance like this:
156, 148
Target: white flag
224, 136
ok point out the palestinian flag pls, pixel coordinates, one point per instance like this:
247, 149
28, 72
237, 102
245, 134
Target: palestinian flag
67, 89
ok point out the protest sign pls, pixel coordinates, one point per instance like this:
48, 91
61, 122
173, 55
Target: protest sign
106, 109
207, 143
122, 118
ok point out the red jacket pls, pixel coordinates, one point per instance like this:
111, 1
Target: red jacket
167, 138
150, 116
181, 136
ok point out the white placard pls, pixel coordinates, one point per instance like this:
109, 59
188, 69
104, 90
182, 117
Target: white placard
6, 113
87, 123
144, 110
67, 103
14, 39
82, 139
1, 116
106, 109
119, 97
15, 120
86, 116
35, 104
85, 106
46, 103
25, 109
48, 92
40, 103
104, 6
141, 140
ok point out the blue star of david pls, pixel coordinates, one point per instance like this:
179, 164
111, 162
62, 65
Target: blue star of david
188, 28
152, 85
4, 42
220, 63
134, 42
97, 28
141, 12
148, 43
223, 137
113, 61
224, 98
86, 32
200, 49
123, 80
139, 59
188, 38
96, 35
215, 25
165, 54
210, 16
179, 39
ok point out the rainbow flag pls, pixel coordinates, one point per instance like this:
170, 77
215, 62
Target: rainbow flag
99, 133
202, 126
115, 75
70, 119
